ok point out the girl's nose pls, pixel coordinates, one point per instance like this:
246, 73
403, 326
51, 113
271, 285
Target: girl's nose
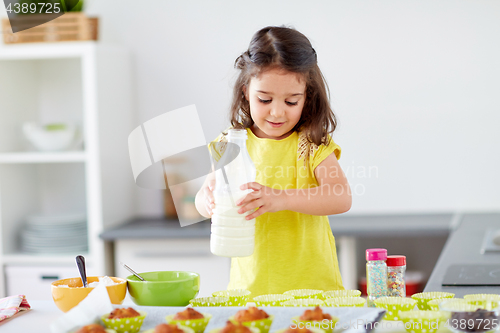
277, 111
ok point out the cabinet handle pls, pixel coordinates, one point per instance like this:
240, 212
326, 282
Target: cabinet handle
50, 277
172, 254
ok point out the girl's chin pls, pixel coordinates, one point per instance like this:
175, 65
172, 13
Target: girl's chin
271, 133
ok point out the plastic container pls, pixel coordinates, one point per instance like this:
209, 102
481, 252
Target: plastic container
396, 268
376, 274
231, 234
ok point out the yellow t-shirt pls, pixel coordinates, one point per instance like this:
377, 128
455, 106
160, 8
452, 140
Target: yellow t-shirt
292, 250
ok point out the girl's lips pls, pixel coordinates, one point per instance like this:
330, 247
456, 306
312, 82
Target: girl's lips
274, 124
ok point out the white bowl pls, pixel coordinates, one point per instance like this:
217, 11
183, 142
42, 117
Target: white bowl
46, 138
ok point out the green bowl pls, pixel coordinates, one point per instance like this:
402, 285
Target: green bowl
164, 288
326, 325
422, 321
423, 298
345, 302
341, 293
394, 305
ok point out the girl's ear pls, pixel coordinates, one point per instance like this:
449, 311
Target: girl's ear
245, 92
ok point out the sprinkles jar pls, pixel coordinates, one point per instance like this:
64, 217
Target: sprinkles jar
396, 267
376, 274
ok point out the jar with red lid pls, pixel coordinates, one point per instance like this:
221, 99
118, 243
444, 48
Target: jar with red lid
396, 268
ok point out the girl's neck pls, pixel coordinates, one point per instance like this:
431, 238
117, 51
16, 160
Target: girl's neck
260, 134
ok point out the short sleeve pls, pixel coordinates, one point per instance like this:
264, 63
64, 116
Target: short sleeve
324, 151
217, 147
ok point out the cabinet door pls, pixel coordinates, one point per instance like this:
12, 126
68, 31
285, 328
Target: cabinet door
192, 255
35, 281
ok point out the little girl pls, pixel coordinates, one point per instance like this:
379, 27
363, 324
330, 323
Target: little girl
281, 99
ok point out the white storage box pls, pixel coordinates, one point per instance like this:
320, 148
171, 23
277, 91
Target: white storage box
34, 281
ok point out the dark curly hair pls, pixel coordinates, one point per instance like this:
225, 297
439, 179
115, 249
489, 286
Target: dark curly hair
290, 50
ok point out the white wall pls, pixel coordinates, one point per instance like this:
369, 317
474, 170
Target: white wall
414, 84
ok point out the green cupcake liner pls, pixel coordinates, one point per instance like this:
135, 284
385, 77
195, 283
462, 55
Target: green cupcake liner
237, 297
394, 305
209, 301
340, 293
271, 299
456, 305
197, 325
124, 325
488, 301
326, 326
304, 302
304, 293
346, 302
423, 298
262, 324
423, 321
184, 328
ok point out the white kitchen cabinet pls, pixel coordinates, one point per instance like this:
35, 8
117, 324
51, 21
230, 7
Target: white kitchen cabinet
146, 255
83, 83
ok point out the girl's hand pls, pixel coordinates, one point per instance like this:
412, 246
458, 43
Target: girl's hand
266, 199
204, 200
208, 191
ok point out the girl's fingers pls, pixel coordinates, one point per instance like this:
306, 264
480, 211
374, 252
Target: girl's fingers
251, 186
249, 197
211, 185
252, 205
255, 214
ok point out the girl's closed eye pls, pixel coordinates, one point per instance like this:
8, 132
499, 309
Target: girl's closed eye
292, 103
264, 101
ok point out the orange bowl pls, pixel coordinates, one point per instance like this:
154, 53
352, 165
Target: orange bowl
68, 297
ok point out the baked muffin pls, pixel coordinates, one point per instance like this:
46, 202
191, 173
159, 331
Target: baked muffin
250, 314
234, 328
188, 314
92, 328
315, 315
168, 328
123, 313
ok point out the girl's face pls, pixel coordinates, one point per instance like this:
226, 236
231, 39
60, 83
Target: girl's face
276, 99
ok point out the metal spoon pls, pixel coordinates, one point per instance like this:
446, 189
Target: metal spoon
80, 263
132, 271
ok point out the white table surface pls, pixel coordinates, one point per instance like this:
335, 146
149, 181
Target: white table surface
43, 313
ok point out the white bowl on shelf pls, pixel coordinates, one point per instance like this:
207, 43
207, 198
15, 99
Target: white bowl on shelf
52, 137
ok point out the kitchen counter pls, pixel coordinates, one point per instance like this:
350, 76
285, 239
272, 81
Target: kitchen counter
342, 225
156, 227
345, 227
464, 247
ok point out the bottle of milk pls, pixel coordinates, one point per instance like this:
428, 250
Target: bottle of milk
232, 235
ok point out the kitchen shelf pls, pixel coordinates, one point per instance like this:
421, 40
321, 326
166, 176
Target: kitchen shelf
43, 157
87, 84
